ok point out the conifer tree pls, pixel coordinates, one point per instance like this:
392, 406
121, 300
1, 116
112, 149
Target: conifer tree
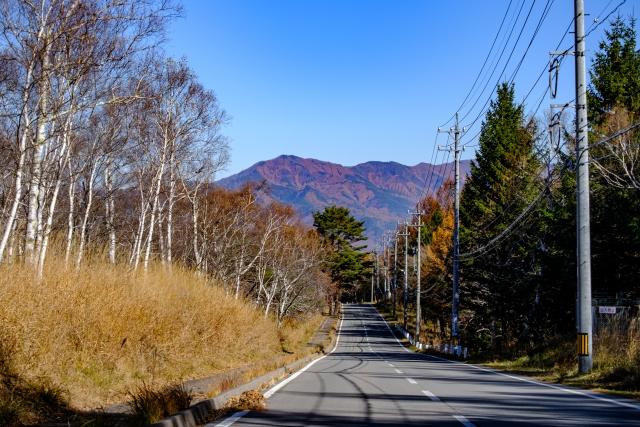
340, 232
497, 284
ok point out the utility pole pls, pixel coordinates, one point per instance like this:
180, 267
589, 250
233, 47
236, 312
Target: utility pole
455, 130
377, 270
372, 279
384, 267
395, 273
585, 334
583, 227
418, 320
406, 273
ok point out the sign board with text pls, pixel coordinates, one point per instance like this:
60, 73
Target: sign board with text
607, 310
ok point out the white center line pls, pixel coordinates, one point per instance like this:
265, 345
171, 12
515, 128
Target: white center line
232, 419
412, 381
431, 396
464, 421
399, 371
391, 365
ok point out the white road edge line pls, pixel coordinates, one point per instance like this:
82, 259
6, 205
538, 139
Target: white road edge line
527, 380
286, 381
232, 419
540, 383
388, 327
464, 421
431, 396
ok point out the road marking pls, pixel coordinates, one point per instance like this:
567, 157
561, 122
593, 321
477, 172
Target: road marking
464, 421
391, 365
392, 334
431, 396
278, 386
232, 419
540, 383
411, 380
399, 371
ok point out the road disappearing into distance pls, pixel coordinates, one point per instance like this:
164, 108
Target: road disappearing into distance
371, 379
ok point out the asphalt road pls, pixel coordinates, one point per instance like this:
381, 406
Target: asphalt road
370, 379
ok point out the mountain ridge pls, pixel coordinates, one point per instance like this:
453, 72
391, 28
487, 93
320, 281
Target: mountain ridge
380, 193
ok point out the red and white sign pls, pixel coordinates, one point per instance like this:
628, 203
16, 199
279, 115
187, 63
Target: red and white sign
607, 310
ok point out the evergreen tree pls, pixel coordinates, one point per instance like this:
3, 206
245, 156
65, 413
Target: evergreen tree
339, 232
615, 73
497, 284
615, 210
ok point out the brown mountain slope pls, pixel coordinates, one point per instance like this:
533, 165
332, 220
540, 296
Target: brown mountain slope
380, 193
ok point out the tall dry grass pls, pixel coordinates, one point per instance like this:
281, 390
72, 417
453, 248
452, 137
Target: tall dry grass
101, 330
617, 357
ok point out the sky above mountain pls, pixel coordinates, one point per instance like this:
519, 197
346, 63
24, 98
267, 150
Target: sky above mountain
359, 80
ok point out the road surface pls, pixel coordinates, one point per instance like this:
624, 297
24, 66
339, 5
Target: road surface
370, 379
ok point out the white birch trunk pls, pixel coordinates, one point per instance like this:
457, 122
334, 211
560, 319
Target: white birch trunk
85, 220
154, 208
70, 217
34, 187
9, 226
196, 249
110, 212
172, 190
36, 159
22, 149
63, 156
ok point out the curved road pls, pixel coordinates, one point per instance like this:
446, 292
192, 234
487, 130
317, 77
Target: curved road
370, 379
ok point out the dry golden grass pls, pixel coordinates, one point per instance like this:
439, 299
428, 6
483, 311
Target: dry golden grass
101, 330
294, 335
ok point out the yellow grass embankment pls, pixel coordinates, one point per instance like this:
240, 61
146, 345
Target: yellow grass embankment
100, 330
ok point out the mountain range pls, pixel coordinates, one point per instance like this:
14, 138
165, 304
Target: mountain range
380, 193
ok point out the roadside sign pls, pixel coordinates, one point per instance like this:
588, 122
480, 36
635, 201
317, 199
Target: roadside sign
607, 310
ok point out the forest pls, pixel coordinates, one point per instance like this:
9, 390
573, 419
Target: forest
517, 218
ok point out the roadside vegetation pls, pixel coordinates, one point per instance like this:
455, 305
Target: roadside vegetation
100, 334
124, 270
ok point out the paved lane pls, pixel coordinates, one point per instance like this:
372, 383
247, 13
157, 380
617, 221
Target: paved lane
370, 379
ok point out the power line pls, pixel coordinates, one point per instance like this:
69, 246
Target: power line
435, 144
615, 135
484, 64
544, 69
500, 57
533, 181
505, 232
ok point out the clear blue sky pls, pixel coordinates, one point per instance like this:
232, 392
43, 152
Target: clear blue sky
351, 81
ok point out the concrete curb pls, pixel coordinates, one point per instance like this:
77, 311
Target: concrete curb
195, 415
